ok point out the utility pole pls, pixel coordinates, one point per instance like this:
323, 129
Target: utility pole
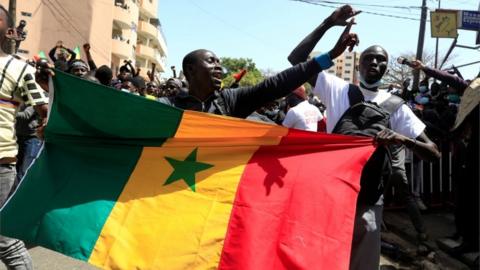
12, 9
421, 39
436, 43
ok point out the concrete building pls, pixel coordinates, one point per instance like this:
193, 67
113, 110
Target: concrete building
116, 29
345, 66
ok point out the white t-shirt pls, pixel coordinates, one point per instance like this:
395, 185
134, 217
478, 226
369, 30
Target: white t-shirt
304, 116
333, 92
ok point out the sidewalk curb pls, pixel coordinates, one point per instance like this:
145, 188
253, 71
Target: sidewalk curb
399, 223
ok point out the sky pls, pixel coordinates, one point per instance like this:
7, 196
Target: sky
267, 30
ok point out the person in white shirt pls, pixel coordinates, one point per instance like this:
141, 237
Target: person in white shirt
301, 115
405, 128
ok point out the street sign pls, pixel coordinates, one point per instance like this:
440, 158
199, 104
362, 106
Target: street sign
443, 23
469, 20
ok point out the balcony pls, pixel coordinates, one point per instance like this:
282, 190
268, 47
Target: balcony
162, 42
147, 29
125, 13
149, 7
159, 41
160, 61
122, 17
145, 52
121, 49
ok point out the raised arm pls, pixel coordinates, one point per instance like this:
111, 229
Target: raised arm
73, 55
244, 101
52, 54
306, 46
151, 73
91, 63
454, 81
132, 68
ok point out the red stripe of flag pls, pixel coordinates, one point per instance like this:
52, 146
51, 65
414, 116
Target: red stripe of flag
295, 205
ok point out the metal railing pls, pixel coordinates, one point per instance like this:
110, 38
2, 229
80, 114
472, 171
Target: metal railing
160, 30
434, 181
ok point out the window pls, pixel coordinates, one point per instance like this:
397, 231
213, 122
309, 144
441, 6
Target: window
347, 71
121, 3
348, 57
348, 64
23, 51
155, 22
26, 14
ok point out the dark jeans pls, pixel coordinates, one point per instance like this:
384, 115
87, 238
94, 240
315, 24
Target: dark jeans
399, 180
12, 251
28, 148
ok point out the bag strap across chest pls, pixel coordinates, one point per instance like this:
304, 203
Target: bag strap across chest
391, 105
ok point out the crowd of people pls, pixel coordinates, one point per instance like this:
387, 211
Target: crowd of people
128, 78
415, 120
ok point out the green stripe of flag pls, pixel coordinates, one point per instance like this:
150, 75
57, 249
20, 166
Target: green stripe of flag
92, 146
69, 183
107, 114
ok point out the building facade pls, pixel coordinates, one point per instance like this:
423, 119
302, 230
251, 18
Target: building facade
117, 30
345, 66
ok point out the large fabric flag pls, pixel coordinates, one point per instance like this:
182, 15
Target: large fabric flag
124, 182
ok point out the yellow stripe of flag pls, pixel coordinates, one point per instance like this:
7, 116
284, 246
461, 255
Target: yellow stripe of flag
171, 226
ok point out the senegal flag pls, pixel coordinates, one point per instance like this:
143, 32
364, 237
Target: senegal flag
124, 182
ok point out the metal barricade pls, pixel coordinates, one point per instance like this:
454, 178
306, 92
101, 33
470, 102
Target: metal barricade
432, 181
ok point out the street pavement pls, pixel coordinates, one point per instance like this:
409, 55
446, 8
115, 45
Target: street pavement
44, 259
439, 225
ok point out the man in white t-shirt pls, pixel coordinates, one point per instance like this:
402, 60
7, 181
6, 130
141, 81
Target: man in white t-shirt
301, 115
405, 127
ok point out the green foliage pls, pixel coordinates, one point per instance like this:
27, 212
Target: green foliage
234, 65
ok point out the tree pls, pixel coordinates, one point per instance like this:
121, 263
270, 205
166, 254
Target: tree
234, 65
398, 73
268, 72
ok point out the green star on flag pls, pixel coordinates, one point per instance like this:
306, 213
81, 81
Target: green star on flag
186, 169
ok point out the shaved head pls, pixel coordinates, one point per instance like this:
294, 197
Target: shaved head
374, 49
204, 73
373, 64
191, 59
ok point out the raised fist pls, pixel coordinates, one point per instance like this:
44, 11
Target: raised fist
342, 14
